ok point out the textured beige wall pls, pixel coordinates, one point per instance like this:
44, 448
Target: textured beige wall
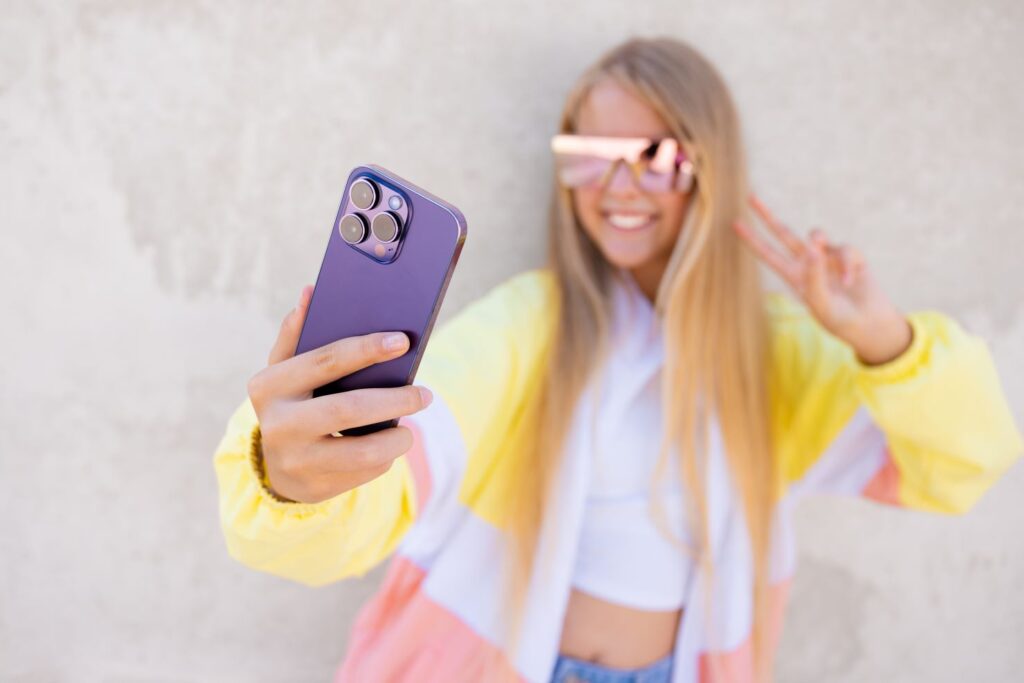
169, 173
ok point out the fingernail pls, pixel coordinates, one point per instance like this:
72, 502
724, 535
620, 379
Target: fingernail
426, 396
394, 341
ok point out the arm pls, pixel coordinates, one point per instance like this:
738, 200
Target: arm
929, 429
475, 365
904, 409
312, 543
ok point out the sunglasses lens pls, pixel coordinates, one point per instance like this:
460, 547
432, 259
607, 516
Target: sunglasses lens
655, 181
580, 170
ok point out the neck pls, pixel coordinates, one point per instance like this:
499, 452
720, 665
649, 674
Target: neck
648, 277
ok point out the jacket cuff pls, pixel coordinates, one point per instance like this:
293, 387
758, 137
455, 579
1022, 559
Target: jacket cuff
256, 467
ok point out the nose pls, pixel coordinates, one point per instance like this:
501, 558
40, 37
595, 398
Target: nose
622, 178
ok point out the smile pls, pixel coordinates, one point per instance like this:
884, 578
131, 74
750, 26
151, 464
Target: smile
630, 221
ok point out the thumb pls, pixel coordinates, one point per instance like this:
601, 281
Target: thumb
291, 327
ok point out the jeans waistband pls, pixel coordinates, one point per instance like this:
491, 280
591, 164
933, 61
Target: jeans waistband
572, 670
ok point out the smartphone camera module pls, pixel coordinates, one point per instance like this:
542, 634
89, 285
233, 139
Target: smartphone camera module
385, 226
364, 194
375, 217
352, 228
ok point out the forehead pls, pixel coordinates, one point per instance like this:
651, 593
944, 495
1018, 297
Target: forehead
611, 109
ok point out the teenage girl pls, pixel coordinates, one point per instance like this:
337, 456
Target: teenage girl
602, 454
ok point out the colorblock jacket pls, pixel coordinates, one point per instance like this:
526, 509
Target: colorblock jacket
929, 430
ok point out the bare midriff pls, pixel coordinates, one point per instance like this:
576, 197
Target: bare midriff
614, 635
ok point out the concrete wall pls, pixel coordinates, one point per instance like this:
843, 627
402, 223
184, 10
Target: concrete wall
170, 170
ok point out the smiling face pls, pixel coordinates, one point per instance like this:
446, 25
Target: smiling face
633, 228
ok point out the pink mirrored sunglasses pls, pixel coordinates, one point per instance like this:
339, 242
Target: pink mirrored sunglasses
657, 164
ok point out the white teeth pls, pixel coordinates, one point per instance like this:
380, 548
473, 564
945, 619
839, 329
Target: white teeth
629, 221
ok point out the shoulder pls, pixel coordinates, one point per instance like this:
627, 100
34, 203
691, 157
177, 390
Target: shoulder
812, 374
807, 362
519, 305
800, 346
483, 361
527, 291
507, 325
789, 320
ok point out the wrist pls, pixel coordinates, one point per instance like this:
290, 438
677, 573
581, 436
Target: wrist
885, 340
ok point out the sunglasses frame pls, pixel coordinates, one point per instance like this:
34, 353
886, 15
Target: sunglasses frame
635, 152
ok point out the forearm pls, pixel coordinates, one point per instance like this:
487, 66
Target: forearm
312, 543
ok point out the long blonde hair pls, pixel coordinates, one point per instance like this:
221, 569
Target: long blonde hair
711, 303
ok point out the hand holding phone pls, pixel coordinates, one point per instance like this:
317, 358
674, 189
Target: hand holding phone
301, 461
390, 256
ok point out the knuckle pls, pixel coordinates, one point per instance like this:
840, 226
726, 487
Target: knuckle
269, 428
355, 405
284, 463
370, 345
413, 399
290, 465
288, 321
337, 415
256, 386
282, 420
360, 453
325, 357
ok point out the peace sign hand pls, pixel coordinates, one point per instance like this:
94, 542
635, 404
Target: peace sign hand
835, 284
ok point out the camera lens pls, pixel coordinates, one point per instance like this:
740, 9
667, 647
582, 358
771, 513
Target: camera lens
352, 228
385, 226
364, 194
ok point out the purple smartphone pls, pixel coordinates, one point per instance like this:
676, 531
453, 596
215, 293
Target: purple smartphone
391, 253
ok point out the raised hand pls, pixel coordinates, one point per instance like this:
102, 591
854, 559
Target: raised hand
835, 284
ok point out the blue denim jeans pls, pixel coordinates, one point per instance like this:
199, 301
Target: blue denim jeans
572, 670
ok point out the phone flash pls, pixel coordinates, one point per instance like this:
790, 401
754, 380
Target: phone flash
395, 202
380, 250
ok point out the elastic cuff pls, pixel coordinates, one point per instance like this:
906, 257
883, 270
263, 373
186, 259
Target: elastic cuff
904, 364
258, 471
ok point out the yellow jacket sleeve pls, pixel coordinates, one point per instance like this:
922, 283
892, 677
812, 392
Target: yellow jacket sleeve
933, 424
476, 366
312, 543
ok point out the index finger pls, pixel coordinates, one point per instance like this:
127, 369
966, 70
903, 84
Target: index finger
301, 374
785, 235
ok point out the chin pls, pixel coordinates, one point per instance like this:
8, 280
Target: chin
622, 249
626, 260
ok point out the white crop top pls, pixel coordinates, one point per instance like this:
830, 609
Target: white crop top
622, 555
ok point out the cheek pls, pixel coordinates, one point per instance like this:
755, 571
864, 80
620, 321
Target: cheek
673, 210
586, 201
